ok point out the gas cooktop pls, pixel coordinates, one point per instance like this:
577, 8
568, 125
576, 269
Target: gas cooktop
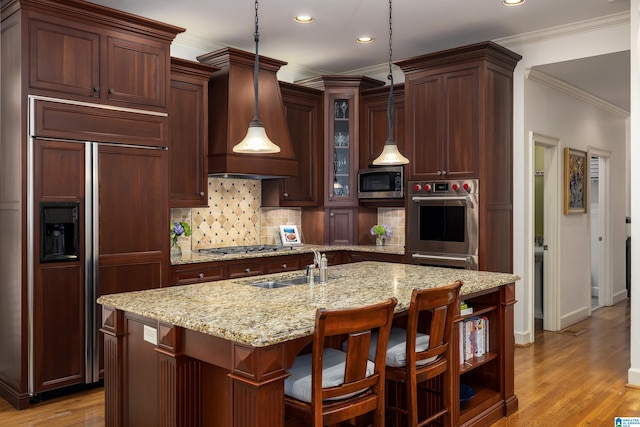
243, 249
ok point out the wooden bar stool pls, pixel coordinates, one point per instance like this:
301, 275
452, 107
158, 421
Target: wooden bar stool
330, 386
417, 358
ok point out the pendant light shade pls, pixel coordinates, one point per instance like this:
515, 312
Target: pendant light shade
256, 141
390, 154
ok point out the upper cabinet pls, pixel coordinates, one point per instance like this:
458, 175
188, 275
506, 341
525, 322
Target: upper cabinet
458, 111
374, 123
304, 114
443, 109
81, 57
341, 135
188, 133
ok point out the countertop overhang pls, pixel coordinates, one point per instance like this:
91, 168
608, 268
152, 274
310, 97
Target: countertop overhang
234, 310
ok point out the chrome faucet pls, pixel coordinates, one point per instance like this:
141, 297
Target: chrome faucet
310, 273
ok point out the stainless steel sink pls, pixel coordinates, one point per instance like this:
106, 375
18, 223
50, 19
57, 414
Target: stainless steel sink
282, 283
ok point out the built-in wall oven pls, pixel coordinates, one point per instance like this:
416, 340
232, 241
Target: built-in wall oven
442, 221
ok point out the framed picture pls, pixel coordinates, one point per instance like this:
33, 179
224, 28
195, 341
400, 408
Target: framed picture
289, 235
575, 181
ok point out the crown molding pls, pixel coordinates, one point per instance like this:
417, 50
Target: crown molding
614, 20
559, 85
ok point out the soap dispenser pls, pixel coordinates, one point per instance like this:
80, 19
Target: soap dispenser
323, 269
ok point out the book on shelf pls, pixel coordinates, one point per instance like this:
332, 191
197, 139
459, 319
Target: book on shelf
474, 337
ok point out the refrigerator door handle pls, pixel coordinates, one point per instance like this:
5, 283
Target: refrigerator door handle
92, 371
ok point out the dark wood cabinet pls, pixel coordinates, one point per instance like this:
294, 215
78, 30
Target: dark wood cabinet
459, 107
443, 110
304, 114
188, 133
374, 123
341, 226
74, 58
374, 256
72, 53
341, 157
187, 274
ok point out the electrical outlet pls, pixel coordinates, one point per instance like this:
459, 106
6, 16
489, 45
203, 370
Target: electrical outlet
151, 335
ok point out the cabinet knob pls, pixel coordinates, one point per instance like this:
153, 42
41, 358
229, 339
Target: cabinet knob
444, 172
112, 91
202, 194
201, 275
438, 172
96, 89
284, 265
247, 270
331, 214
285, 195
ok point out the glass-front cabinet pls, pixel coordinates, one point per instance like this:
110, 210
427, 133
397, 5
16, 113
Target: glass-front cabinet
342, 142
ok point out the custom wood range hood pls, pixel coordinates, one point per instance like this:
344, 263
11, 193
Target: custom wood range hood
231, 108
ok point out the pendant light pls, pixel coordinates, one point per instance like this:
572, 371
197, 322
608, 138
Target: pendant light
390, 154
256, 141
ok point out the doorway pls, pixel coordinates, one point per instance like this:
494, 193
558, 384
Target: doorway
599, 217
545, 295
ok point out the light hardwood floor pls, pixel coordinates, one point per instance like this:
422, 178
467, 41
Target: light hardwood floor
561, 380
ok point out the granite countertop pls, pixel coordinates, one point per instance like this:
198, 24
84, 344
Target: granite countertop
234, 310
188, 257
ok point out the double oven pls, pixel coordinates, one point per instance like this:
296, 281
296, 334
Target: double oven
442, 222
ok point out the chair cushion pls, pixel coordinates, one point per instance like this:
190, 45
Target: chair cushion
298, 384
397, 348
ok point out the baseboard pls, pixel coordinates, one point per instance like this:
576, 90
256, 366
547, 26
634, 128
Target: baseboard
620, 296
523, 339
17, 400
634, 377
574, 317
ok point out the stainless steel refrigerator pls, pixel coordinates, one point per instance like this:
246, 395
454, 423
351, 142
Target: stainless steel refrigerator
99, 225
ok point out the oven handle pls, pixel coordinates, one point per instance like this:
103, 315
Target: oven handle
450, 258
427, 199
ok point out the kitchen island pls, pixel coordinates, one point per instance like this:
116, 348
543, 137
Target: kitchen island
216, 353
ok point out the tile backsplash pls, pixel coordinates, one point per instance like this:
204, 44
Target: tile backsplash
234, 217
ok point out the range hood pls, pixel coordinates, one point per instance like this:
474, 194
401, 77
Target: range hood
231, 109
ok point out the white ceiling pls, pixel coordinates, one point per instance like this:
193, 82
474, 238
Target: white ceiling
327, 46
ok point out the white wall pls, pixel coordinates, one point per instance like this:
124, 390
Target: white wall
542, 48
580, 125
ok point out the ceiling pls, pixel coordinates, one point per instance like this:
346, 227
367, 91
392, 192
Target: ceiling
327, 46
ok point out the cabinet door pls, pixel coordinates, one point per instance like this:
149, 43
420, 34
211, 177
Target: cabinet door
341, 226
303, 109
64, 59
187, 141
341, 155
425, 111
374, 123
59, 287
443, 111
461, 124
136, 71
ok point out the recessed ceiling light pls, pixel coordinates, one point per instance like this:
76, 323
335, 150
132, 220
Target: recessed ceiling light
512, 2
365, 39
304, 19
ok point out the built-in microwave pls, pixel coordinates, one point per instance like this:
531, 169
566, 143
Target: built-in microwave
381, 183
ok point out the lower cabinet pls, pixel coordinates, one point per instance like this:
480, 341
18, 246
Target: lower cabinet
374, 256
188, 274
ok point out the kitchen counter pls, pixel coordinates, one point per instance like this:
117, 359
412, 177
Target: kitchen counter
234, 310
217, 353
191, 257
